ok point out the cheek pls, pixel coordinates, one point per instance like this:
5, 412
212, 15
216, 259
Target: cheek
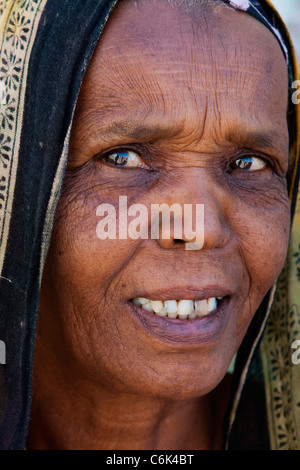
81, 274
263, 233
75, 244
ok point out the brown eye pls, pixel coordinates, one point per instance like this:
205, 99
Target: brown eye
124, 158
248, 164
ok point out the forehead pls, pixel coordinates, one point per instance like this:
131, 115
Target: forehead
153, 58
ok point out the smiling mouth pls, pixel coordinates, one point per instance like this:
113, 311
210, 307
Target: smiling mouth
187, 322
181, 309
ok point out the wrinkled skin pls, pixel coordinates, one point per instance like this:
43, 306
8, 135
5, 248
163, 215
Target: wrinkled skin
190, 93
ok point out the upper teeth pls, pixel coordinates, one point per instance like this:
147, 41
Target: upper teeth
183, 309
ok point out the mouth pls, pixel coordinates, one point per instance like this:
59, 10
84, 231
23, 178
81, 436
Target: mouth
183, 309
192, 320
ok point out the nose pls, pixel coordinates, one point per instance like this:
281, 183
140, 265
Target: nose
203, 204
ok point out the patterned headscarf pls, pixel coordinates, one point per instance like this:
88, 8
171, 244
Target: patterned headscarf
45, 48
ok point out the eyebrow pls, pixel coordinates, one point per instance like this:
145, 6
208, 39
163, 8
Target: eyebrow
140, 132
136, 129
262, 140
265, 141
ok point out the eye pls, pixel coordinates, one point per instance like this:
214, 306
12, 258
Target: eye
248, 163
124, 158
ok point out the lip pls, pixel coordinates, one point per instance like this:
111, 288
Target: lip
186, 293
198, 332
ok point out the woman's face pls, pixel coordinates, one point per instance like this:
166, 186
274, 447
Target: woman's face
196, 103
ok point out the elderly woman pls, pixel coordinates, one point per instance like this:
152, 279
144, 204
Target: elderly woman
178, 102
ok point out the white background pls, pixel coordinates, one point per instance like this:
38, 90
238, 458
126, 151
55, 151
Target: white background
289, 10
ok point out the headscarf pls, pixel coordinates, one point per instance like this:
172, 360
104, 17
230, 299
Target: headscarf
45, 48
